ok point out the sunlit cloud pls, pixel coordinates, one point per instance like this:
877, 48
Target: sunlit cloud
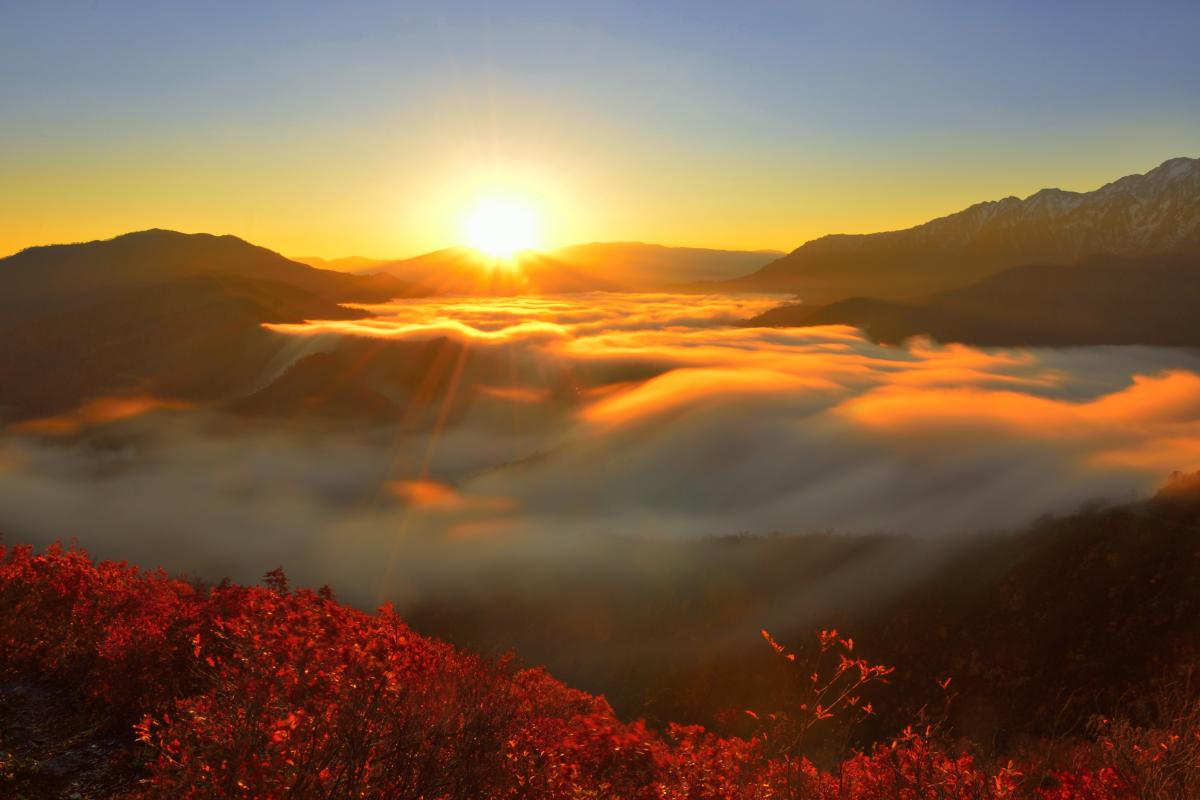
581, 418
684, 423
682, 389
100, 411
1150, 403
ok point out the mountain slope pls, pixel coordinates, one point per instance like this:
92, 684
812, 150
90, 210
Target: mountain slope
119, 682
57, 276
1138, 215
194, 338
1097, 600
321, 384
156, 312
1150, 300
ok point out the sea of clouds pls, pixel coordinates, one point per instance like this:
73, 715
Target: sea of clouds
614, 418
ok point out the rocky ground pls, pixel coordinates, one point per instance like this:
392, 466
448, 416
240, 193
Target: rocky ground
46, 753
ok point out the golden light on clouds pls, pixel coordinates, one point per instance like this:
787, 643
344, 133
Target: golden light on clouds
554, 419
657, 378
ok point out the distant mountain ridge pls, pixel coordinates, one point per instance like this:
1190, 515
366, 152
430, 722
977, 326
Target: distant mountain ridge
608, 266
181, 316
55, 277
1138, 215
347, 264
656, 263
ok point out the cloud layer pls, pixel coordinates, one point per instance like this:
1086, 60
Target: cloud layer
614, 417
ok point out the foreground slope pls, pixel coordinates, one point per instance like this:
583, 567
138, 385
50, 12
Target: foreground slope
1067, 618
120, 683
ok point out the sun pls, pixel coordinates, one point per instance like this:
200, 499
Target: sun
501, 227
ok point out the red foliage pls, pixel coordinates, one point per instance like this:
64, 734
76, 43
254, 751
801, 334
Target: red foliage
249, 692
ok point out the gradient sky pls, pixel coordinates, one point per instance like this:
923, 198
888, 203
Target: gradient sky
368, 128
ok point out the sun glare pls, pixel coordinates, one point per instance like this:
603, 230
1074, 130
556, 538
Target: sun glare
501, 227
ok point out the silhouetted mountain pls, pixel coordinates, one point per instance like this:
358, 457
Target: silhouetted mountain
159, 312
1138, 215
1103, 300
463, 271
610, 266
41, 279
193, 338
656, 265
181, 318
357, 264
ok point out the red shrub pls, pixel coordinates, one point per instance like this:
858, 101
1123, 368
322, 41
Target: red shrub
269, 693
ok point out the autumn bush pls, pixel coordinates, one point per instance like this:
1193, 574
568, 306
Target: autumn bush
270, 692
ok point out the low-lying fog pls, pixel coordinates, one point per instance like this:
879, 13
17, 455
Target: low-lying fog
674, 424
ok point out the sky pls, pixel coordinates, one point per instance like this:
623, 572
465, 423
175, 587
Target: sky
368, 128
